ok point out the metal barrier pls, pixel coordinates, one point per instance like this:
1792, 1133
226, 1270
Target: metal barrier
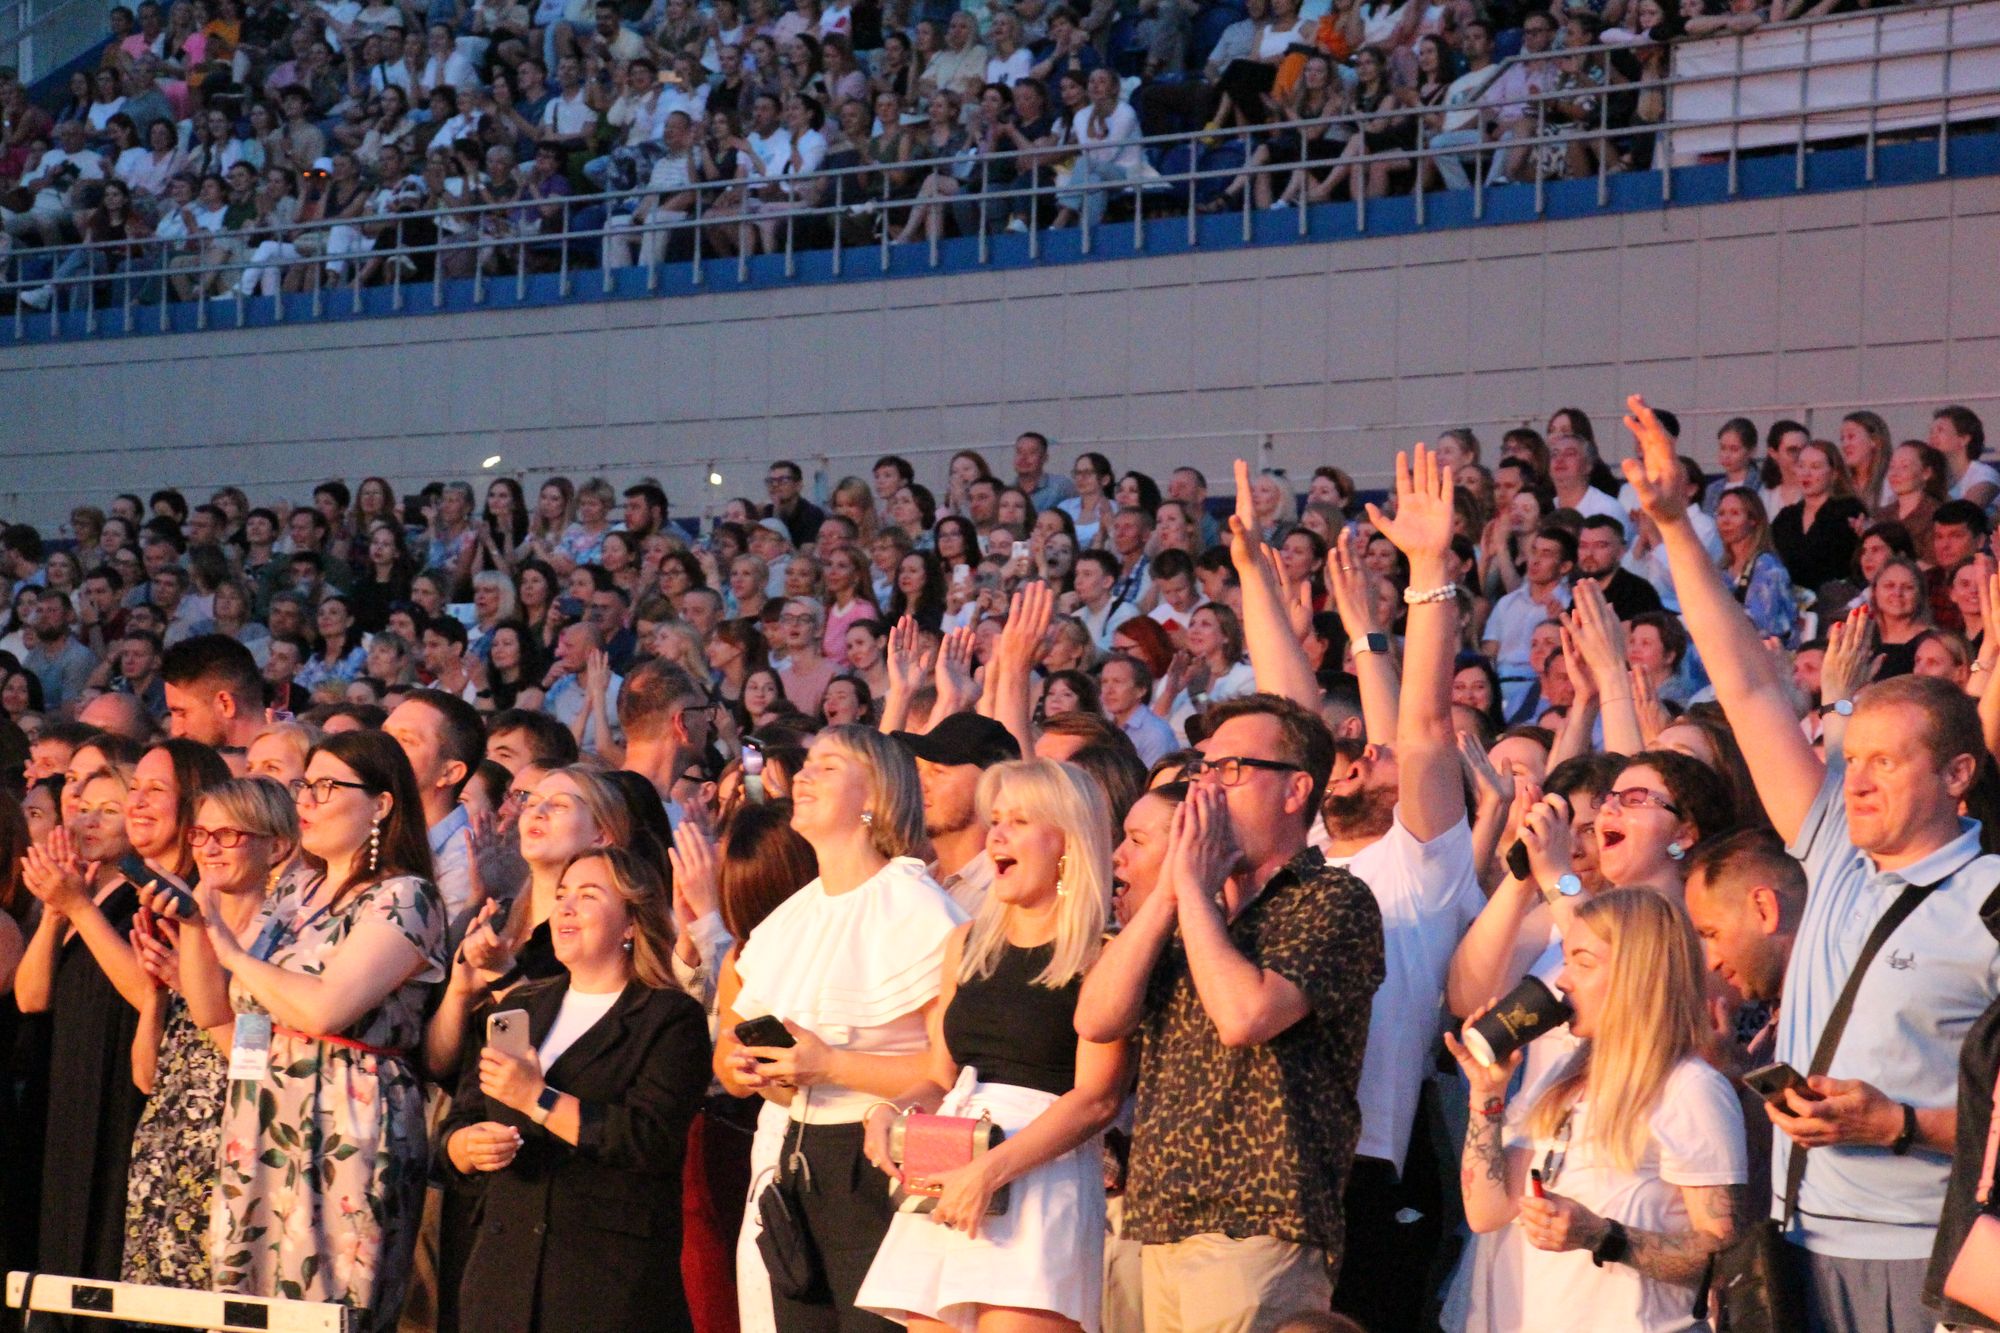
485, 244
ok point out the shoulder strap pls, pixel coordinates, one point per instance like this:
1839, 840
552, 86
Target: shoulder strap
1836, 1022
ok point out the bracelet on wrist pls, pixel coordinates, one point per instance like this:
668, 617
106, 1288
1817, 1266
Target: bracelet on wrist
1444, 592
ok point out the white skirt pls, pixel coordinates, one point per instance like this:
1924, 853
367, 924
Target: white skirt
753, 1285
1045, 1253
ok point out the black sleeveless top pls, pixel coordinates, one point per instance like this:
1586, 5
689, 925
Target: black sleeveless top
1013, 1030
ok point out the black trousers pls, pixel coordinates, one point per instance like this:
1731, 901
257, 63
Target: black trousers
1388, 1269
847, 1212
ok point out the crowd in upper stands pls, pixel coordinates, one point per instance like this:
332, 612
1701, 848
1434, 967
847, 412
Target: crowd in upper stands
225, 146
535, 912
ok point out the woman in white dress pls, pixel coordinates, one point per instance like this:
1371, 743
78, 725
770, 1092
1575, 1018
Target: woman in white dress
850, 965
1004, 1044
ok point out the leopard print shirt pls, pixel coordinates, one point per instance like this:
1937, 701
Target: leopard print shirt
1257, 1140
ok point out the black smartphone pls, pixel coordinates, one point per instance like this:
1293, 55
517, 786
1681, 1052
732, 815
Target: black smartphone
1517, 861
766, 1031
1772, 1081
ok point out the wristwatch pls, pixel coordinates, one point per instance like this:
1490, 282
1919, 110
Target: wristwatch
1904, 1140
1372, 642
1614, 1247
1844, 707
1568, 885
545, 1105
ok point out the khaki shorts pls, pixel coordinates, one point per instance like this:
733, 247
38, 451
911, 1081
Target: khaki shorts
1213, 1284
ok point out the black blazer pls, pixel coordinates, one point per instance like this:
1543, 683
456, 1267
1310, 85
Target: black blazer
589, 1237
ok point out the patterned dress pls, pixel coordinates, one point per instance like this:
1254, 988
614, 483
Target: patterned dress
173, 1160
322, 1168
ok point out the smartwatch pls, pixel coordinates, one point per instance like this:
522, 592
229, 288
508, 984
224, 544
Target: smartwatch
1614, 1247
545, 1105
1844, 707
1373, 642
1901, 1147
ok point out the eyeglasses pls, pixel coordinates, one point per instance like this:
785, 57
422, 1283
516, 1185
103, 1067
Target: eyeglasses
321, 788
517, 796
798, 618
1637, 798
228, 839
776, 481
1229, 770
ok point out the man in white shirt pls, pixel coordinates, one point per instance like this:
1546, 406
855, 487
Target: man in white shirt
1462, 116
1542, 594
1101, 613
671, 199
1571, 461
566, 698
770, 143
569, 118
950, 757
445, 741
1125, 690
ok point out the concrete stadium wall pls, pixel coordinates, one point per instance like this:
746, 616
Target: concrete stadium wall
1303, 354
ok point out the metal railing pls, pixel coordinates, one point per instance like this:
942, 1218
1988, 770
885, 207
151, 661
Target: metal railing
480, 244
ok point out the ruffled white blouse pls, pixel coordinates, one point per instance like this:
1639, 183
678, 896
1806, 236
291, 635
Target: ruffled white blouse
853, 968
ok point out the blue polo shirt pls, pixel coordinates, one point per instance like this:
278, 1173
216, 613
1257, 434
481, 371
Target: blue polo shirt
1935, 975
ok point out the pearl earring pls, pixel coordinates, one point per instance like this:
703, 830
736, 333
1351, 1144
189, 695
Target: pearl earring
374, 846
1676, 851
868, 817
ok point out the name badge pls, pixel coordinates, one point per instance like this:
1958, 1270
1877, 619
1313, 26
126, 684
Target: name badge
250, 1049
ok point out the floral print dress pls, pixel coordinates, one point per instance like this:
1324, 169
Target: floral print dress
322, 1167
167, 1198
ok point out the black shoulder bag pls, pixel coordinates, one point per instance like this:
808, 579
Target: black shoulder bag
1753, 1281
784, 1241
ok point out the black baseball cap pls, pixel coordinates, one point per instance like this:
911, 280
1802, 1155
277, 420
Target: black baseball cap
963, 738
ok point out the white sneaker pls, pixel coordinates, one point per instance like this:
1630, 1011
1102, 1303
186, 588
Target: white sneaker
1280, 203
39, 298
1017, 224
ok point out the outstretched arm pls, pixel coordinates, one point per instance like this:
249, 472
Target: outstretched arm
1276, 655
1431, 795
1787, 773
1375, 673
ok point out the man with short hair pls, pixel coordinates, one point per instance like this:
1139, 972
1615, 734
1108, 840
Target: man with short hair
783, 482
284, 656
1746, 895
567, 698
214, 694
1045, 489
1571, 461
645, 510
518, 738
1958, 531
119, 714
444, 740
21, 554
1179, 596
1097, 606
167, 590
1249, 973
1189, 486
55, 655
950, 757
1125, 690
891, 473
1131, 529
1879, 831
982, 504
607, 610
701, 608
445, 641
1543, 595
137, 671
1600, 546
668, 719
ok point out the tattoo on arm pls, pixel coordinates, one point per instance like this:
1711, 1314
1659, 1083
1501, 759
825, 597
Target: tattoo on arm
1681, 1257
1484, 1154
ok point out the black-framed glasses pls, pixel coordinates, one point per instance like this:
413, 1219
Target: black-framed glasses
228, 839
1638, 798
321, 788
1229, 769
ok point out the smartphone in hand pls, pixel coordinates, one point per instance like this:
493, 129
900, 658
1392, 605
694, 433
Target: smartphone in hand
766, 1031
507, 1031
1772, 1081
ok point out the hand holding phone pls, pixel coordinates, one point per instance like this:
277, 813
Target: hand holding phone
1772, 1081
768, 1030
507, 1032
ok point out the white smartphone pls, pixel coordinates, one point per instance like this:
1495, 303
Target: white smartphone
507, 1031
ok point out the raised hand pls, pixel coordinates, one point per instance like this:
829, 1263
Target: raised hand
1028, 615
693, 859
1495, 789
1421, 527
956, 688
905, 659
1646, 706
1597, 633
1347, 579
1655, 475
1245, 534
1851, 660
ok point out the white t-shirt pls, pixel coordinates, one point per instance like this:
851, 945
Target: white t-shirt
1976, 474
1429, 895
581, 1011
1695, 1137
1595, 501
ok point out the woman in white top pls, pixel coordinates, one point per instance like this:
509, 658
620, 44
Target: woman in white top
1636, 1146
1107, 132
1212, 669
851, 965
1003, 1044
1092, 506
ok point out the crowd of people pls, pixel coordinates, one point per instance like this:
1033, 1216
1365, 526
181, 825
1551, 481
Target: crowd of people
552, 916
253, 147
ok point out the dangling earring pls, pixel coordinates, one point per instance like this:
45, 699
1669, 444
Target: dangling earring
868, 817
374, 846
1062, 869
1676, 851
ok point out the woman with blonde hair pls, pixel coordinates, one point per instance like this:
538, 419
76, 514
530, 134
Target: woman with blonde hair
1623, 1171
279, 752
850, 964
854, 500
1004, 1044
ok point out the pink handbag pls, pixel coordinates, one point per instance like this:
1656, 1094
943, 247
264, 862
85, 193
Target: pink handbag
1974, 1280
